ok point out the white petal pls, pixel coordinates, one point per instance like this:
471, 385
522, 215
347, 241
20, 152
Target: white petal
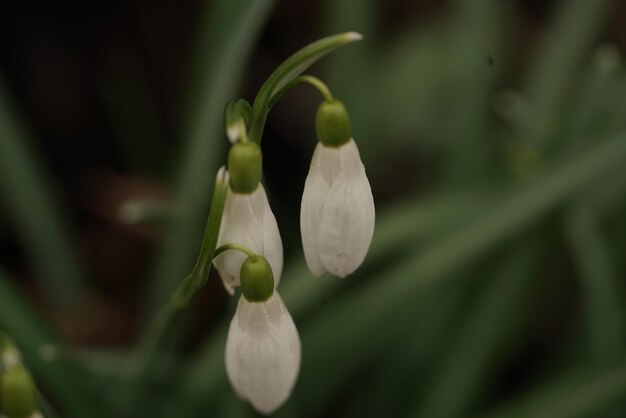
228, 281
272, 244
347, 225
232, 132
248, 220
337, 214
263, 353
316, 190
333, 162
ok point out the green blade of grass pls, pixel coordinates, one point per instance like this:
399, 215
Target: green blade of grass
575, 27
475, 38
401, 367
579, 394
463, 371
600, 99
228, 32
58, 376
28, 196
601, 293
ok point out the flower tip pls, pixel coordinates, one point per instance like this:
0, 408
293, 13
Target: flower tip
232, 132
263, 353
354, 36
265, 409
229, 289
222, 175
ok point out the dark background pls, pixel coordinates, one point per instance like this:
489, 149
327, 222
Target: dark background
100, 90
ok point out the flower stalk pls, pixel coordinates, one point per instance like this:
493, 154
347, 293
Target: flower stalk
303, 79
287, 71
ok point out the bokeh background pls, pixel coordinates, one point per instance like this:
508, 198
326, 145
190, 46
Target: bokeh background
494, 137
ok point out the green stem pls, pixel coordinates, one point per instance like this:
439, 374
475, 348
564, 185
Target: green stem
236, 118
243, 134
200, 272
237, 247
166, 317
291, 68
303, 79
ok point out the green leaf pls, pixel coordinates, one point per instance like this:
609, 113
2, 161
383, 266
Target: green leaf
576, 25
471, 357
400, 368
578, 394
287, 71
29, 197
600, 286
595, 108
474, 37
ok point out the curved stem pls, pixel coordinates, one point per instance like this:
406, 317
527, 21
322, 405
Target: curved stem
303, 79
243, 131
232, 246
291, 68
165, 319
236, 117
200, 272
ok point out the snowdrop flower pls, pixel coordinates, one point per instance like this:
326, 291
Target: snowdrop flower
337, 213
263, 346
248, 219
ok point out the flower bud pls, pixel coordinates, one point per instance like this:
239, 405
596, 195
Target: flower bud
263, 353
17, 393
332, 124
245, 165
337, 214
249, 221
257, 279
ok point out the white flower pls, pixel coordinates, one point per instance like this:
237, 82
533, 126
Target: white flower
263, 353
248, 220
337, 213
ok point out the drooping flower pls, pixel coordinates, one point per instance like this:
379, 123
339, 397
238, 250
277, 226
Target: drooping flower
263, 346
249, 221
337, 212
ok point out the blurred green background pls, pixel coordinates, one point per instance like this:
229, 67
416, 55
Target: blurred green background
494, 136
